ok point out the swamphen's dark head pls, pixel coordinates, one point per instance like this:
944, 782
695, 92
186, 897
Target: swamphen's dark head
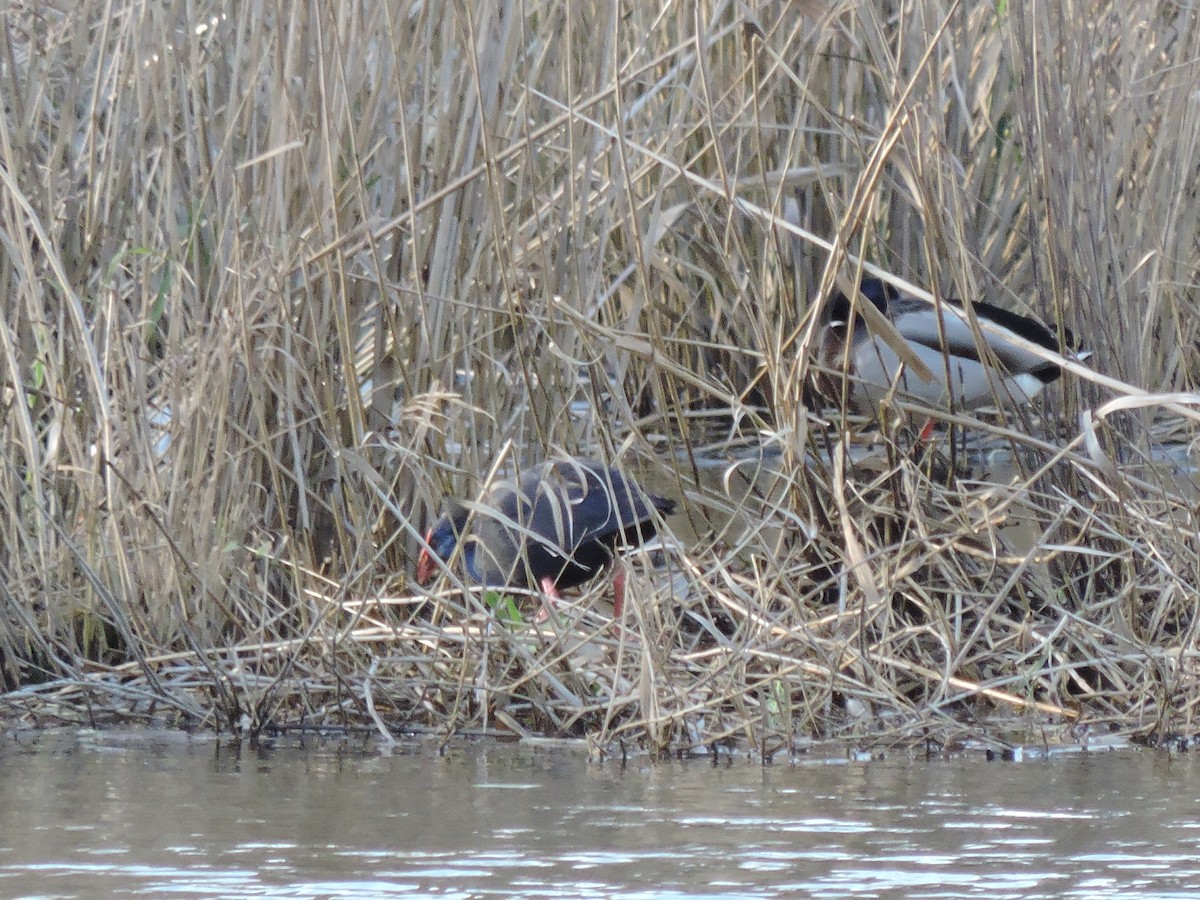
443, 536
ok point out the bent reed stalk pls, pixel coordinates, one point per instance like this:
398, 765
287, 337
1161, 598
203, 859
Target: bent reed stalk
277, 280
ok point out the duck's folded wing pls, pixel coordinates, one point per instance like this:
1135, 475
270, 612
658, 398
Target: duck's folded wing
918, 322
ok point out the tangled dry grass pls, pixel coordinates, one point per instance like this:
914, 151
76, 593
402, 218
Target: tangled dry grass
277, 277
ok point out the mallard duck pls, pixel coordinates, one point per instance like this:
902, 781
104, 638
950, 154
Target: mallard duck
962, 376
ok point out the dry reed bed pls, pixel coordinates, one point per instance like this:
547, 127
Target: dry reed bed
278, 278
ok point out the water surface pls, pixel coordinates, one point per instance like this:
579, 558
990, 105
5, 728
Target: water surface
165, 816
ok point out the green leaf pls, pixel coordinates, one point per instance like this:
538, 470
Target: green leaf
504, 607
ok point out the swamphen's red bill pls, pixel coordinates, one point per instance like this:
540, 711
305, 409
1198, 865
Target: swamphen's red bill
426, 567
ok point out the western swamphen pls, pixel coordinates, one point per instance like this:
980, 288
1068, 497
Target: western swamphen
558, 526
963, 375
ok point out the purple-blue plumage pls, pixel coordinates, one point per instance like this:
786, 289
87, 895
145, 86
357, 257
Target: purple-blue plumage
559, 525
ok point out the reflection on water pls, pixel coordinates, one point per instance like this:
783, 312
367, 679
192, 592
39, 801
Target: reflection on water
166, 817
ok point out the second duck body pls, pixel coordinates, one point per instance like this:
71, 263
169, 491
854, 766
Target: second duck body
965, 375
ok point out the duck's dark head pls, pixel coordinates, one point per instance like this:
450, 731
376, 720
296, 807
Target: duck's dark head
878, 291
441, 539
